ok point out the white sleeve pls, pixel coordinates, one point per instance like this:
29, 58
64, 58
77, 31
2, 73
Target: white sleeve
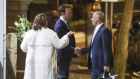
60, 43
24, 44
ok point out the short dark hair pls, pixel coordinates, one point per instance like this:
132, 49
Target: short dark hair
62, 8
40, 21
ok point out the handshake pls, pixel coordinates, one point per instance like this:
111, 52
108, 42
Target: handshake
77, 51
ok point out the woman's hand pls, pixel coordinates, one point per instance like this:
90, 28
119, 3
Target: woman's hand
70, 33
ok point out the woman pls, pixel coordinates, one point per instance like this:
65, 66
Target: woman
40, 44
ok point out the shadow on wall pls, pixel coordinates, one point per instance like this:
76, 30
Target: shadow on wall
1, 70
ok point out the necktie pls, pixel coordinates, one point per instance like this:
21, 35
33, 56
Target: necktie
69, 26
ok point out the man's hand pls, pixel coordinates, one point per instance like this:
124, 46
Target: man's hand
106, 68
77, 51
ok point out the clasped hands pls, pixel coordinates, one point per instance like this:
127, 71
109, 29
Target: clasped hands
77, 51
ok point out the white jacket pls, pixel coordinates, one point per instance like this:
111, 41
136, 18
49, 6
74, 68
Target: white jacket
41, 57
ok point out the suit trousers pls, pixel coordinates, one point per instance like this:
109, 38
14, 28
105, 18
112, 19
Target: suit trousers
96, 73
63, 69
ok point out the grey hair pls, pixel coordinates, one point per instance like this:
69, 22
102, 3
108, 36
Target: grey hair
100, 15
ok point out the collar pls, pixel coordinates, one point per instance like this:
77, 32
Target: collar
65, 21
98, 26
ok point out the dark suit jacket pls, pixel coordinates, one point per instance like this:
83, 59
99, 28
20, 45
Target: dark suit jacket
101, 49
61, 29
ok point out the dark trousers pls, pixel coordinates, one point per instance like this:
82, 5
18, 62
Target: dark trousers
96, 73
63, 68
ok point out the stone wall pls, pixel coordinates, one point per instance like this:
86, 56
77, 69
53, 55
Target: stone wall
15, 8
11, 56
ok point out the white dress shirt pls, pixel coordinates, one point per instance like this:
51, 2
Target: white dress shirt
94, 33
65, 21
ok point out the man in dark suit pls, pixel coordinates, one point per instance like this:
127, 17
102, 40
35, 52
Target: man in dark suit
100, 48
64, 56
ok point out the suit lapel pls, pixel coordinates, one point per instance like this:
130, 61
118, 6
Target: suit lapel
97, 34
62, 22
64, 25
